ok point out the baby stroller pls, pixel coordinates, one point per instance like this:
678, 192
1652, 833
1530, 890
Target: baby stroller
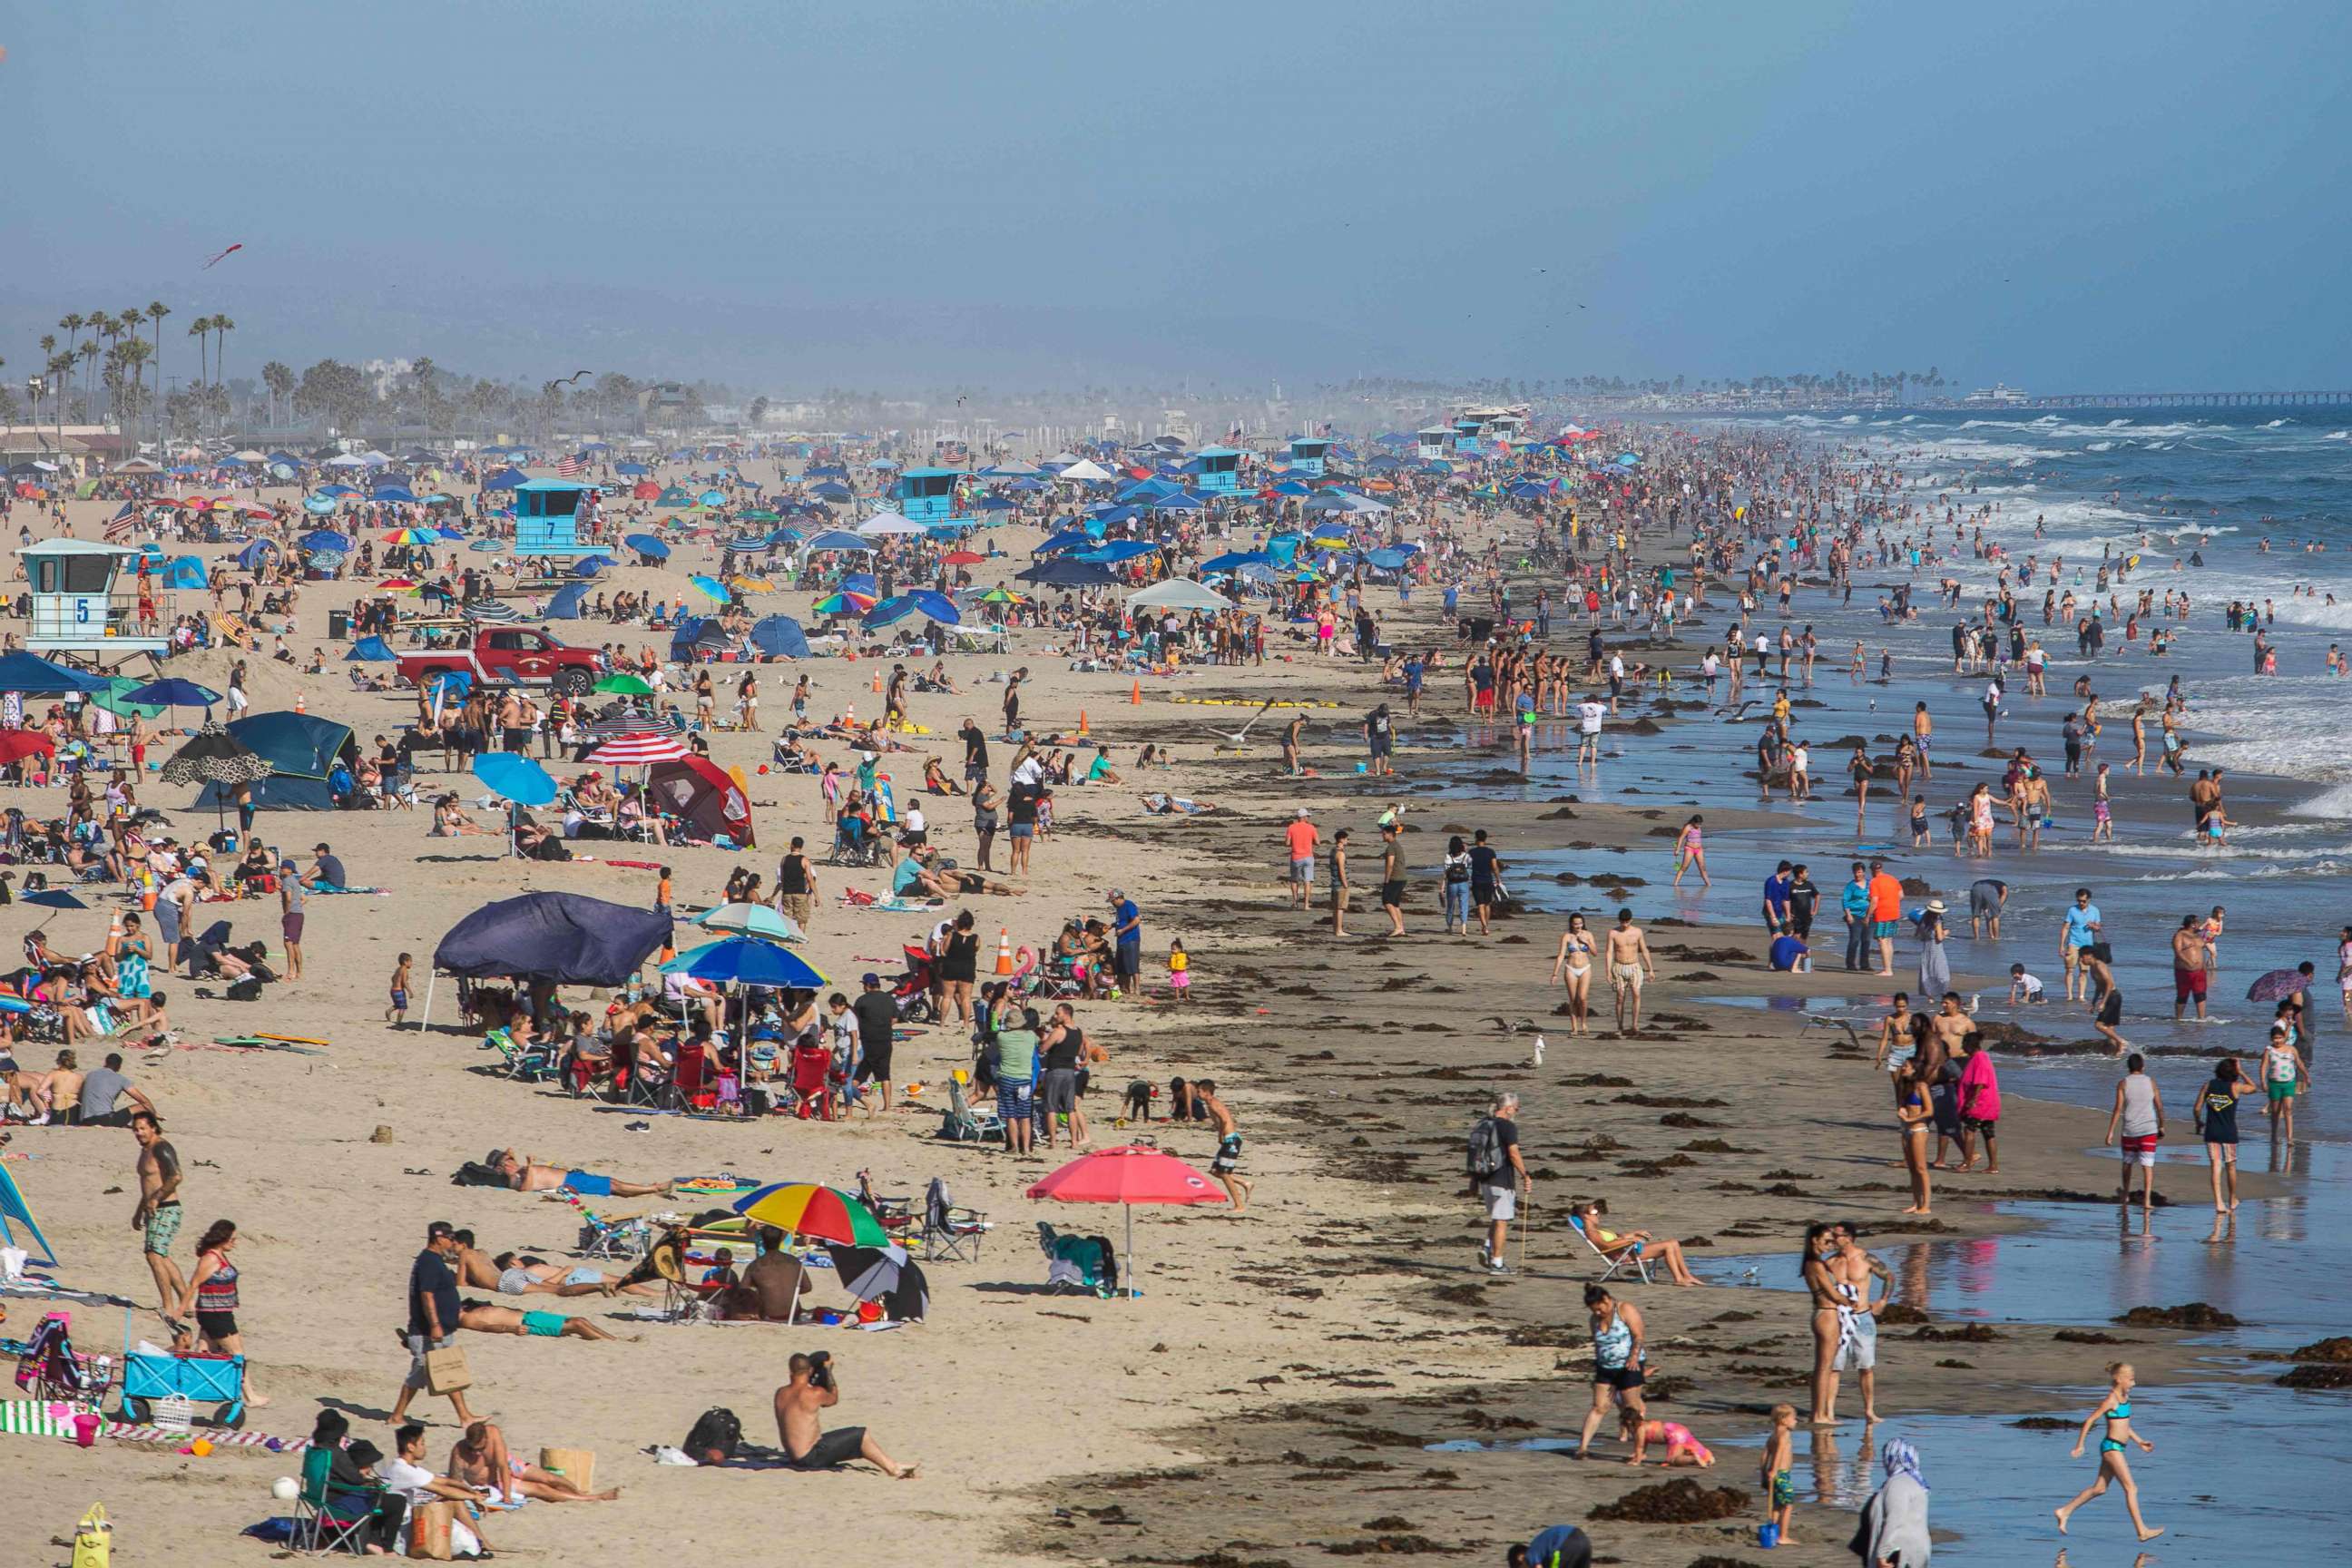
912, 990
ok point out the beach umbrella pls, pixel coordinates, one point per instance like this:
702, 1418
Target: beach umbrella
749, 919
830, 492
515, 777
747, 960
2278, 986
646, 544
1000, 595
173, 692
328, 540
589, 565
214, 756
803, 1208
632, 470
961, 558
844, 604
565, 605
401, 585
371, 650
780, 637
55, 898
639, 746
116, 699
1178, 593
497, 611
1127, 1177
487, 546
1232, 559
623, 686
412, 535
15, 746
710, 588
873, 1273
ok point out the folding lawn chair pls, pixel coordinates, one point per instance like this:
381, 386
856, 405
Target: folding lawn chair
1627, 1258
964, 1122
318, 1529
950, 1231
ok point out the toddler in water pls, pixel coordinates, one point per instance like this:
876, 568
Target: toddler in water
2023, 987
1779, 1482
1682, 1449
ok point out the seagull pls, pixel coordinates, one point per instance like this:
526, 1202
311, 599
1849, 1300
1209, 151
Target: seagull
1239, 739
1523, 1026
1836, 1023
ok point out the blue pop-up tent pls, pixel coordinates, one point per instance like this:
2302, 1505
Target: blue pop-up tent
565, 605
371, 650
780, 637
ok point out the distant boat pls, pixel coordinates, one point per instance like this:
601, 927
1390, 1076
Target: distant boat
1999, 395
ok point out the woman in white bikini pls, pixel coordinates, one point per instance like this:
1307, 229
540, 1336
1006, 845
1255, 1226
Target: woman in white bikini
1573, 968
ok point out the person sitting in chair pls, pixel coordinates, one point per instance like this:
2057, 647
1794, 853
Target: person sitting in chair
1614, 1244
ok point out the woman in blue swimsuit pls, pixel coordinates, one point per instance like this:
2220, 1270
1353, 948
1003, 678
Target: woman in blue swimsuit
2115, 1411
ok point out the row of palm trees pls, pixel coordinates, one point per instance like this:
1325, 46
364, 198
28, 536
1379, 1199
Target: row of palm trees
120, 366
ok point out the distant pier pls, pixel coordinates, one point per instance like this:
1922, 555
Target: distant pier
2179, 400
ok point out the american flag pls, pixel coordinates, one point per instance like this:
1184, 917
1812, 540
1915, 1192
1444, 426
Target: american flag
567, 467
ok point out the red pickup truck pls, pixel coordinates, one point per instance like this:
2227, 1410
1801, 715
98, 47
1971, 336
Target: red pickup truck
508, 656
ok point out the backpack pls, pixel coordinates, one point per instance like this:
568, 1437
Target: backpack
1486, 1149
716, 1430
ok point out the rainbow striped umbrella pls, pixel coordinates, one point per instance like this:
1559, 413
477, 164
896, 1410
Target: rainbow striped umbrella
412, 536
823, 1214
844, 603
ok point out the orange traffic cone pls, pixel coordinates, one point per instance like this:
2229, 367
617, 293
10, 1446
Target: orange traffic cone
1082, 721
877, 680
1003, 950
1135, 693
299, 707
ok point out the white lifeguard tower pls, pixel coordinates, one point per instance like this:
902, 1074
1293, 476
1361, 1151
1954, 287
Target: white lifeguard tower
79, 618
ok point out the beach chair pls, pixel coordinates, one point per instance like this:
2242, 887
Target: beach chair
533, 1063
962, 1122
318, 1528
950, 1231
1627, 1258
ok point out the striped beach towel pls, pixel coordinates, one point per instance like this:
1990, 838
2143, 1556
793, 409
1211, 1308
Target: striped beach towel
36, 1418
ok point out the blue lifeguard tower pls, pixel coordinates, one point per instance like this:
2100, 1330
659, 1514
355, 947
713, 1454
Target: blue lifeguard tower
78, 615
1216, 471
1433, 445
547, 519
1467, 432
927, 495
1308, 452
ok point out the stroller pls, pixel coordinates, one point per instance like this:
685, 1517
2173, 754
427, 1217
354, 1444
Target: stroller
913, 989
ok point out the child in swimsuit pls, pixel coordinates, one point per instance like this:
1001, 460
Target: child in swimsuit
1682, 1449
2115, 1411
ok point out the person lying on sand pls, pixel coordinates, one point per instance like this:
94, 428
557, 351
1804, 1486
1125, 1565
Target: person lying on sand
526, 1175
919, 875
484, 1318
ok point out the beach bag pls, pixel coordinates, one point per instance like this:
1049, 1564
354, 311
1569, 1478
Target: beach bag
247, 989
716, 1430
1485, 1154
93, 1542
445, 1371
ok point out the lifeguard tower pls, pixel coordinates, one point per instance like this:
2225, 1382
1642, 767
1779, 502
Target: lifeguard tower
547, 519
1216, 471
84, 613
1308, 452
1435, 444
1468, 429
927, 495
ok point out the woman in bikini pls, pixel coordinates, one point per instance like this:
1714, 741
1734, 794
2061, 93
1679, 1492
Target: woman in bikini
1914, 1118
1858, 768
1690, 852
1826, 1294
2115, 1411
1573, 968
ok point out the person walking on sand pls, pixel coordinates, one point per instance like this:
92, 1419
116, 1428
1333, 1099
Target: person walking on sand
291, 894
1498, 1175
1301, 839
157, 1215
2190, 973
1392, 879
1619, 1361
1630, 965
1573, 967
1340, 890
1886, 915
432, 1312
2138, 1118
2116, 1410
1226, 1167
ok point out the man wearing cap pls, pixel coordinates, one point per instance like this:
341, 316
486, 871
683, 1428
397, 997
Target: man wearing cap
1303, 840
877, 1016
326, 870
291, 894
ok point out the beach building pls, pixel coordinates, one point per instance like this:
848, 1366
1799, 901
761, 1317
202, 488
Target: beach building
1308, 454
84, 613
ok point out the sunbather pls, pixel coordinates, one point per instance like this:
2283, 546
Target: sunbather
919, 875
1614, 1243
525, 1175
480, 1459
484, 1318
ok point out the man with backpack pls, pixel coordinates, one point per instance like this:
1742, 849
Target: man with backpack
1498, 1175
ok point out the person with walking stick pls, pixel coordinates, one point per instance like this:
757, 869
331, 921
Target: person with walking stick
1499, 1175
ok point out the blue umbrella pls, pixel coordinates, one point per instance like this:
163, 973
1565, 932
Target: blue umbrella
1075, 538
1233, 559
895, 608
515, 777
393, 494
780, 637
836, 539
565, 605
452, 535
506, 479
937, 605
327, 539
589, 565
1121, 549
173, 692
747, 961
634, 470
646, 544
830, 492
56, 898
485, 546
714, 498
338, 491
456, 682
861, 582
371, 650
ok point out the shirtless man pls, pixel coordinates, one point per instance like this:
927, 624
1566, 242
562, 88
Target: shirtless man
525, 1176
480, 1459
1946, 1030
2191, 967
1229, 1146
509, 1276
1857, 1349
485, 1318
157, 1217
810, 1448
1628, 960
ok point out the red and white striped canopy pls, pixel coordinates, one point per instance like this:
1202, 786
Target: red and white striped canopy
646, 746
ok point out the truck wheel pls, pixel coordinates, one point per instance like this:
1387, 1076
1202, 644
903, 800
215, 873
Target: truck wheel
573, 682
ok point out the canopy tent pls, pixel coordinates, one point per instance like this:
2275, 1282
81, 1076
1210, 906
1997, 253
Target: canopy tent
1178, 593
302, 750
1086, 468
882, 524
32, 676
12, 1207
561, 939
1067, 574
834, 540
507, 480
707, 800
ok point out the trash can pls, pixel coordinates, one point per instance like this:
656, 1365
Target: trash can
338, 625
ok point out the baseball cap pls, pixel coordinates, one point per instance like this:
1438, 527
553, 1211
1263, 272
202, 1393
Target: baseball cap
1303, 811
872, 978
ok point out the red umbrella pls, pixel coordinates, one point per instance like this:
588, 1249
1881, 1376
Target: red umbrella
1129, 1175
15, 746
961, 558
646, 746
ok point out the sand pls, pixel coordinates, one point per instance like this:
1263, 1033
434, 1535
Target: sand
1267, 1397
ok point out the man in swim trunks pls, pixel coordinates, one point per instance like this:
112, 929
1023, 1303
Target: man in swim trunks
1986, 897
1886, 914
2191, 969
810, 1448
1229, 1144
484, 1318
1857, 1346
1628, 960
526, 1176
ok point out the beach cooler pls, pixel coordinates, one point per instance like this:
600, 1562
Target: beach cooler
217, 1380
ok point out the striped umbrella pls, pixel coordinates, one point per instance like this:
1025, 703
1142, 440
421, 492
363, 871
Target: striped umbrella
497, 611
822, 1214
642, 747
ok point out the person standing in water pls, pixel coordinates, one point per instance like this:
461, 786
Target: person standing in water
2114, 1467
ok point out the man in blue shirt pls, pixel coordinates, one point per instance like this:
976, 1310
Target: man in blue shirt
1776, 899
2082, 932
1854, 903
1127, 927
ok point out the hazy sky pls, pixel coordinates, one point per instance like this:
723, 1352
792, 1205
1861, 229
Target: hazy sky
2074, 196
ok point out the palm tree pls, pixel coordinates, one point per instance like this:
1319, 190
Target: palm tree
70, 324
156, 311
88, 355
60, 367
222, 327
279, 380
